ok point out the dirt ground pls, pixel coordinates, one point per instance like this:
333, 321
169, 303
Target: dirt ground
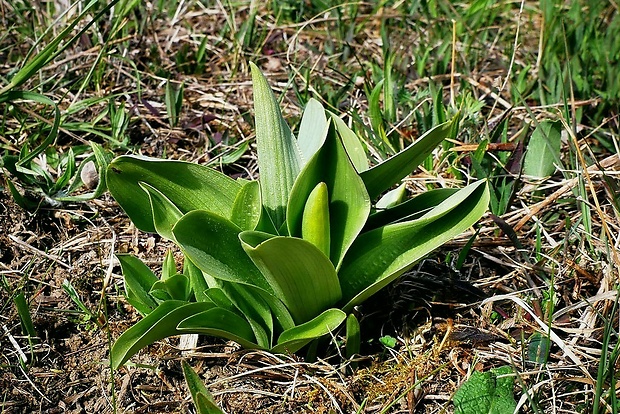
66, 369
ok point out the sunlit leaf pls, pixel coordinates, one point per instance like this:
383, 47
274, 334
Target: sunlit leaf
138, 282
543, 150
247, 209
160, 323
312, 130
279, 158
221, 323
188, 186
349, 204
165, 214
379, 256
351, 143
203, 400
306, 281
384, 175
212, 243
296, 338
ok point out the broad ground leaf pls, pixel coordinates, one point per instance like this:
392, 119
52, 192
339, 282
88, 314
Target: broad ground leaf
299, 273
349, 204
351, 143
203, 400
543, 150
279, 158
247, 209
212, 243
312, 130
315, 223
188, 186
411, 209
353, 336
221, 323
177, 286
379, 256
196, 280
249, 302
382, 176
487, 393
296, 338
169, 266
160, 323
138, 282
392, 198
165, 214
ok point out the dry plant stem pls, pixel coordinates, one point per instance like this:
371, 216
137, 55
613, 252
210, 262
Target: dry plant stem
597, 205
39, 252
547, 330
608, 162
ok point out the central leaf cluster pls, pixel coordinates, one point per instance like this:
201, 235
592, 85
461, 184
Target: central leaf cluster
277, 263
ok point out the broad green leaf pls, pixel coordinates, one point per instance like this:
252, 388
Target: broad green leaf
353, 343
294, 339
279, 158
411, 209
487, 393
188, 186
538, 348
138, 282
351, 143
246, 212
392, 198
168, 267
543, 150
349, 204
379, 256
158, 324
315, 221
253, 308
222, 323
212, 243
217, 296
300, 275
203, 400
312, 130
278, 309
165, 214
196, 280
250, 303
177, 286
204, 405
384, 175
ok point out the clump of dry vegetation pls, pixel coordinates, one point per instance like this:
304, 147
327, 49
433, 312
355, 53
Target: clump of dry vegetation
533, 286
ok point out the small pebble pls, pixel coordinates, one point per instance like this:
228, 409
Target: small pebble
89, 175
